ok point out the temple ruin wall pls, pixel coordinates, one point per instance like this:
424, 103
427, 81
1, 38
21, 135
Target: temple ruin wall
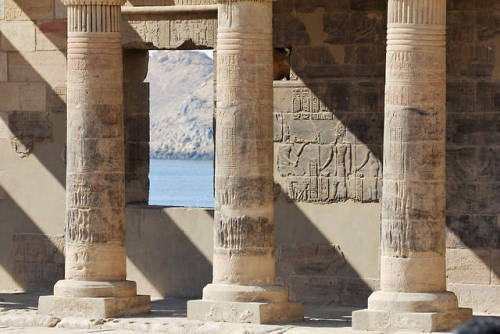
330, 104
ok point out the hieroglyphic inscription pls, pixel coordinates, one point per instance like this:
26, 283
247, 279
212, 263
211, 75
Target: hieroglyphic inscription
171, 32
241, 232
319, 157
415, 96
95, 198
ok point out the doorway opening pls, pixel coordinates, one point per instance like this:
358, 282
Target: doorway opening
181, 167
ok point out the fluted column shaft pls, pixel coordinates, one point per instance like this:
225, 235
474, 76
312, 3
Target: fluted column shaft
414, 192
95, 224
244, 229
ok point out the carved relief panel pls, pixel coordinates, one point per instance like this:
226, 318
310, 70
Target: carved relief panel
322, 155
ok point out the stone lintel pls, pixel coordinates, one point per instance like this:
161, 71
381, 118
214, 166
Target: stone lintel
238, 312
229, 1
94, 2
105, 307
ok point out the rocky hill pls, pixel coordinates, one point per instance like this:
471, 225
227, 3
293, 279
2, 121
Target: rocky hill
181, 104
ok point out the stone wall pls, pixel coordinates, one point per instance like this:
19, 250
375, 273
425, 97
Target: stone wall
32, 142
328, 148
332, 106
473, 153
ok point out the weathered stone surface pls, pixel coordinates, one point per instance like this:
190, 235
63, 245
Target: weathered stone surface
413, 266
473, 231
3, 66
255, 312
460, 96
26, 127
343, 67
169, 2
244, 262
483, 299
23, 10
60, 9
495, 267
472, 60
178, 31
414, 159
337, 290
362, 27
427, 322
38, 260
488, 98
17, 36
95, 202
2, 9
468, 266
94, 307
38, 67
321, 154
95, 178
243, 173
51, 35
56, 99
137, 126
324, 260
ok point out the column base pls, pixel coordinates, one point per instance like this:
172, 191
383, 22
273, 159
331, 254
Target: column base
421, 312
245, 304
102, 307
90, 299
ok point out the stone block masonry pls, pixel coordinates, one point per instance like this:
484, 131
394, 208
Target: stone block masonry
328, 133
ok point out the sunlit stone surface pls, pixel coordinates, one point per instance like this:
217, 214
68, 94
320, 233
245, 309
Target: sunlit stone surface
243, 287
95, 283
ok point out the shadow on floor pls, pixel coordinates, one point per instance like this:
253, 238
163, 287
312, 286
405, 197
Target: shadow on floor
322, 316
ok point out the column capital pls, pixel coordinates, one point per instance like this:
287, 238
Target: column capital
94, 2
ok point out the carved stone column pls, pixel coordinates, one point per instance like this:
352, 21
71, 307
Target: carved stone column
413, 266
95, 284
243, 287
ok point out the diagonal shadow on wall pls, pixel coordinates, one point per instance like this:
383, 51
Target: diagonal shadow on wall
170, 250
33, 260
341, 96
343, 67
33, 146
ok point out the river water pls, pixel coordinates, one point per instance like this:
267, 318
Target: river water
187, 183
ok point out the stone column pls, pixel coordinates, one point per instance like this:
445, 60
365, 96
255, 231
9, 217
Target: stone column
243, 287
413, 263
95, 284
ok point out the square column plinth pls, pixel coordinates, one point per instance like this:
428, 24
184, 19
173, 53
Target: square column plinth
94, 307
238, 312
245, 304
416, 312
372, 320
92, 299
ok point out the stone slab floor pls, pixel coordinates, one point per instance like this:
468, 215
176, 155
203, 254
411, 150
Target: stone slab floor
18, 314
